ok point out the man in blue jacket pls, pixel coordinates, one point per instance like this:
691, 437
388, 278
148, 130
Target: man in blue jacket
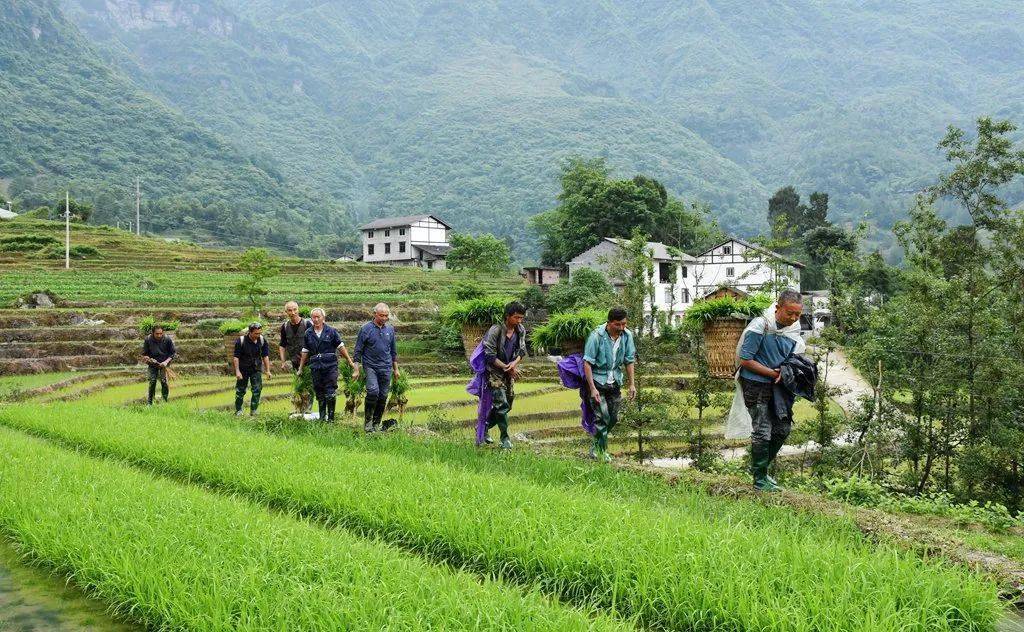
377, 350
609, 349
320, 349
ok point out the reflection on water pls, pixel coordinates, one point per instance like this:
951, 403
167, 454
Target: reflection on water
33, 601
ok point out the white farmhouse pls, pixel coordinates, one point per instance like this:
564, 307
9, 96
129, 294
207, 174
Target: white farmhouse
416, 240
673, 273
744, 266
681, 279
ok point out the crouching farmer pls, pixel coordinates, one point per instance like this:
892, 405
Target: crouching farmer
158, 352
504, 348
767, 343
377, 350
610, 349
251, 361
320, 350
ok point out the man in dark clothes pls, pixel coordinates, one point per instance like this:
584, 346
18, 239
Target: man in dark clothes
320, 349
293, 334
504, 348
377, 350
764, 348
157, 352
251, 361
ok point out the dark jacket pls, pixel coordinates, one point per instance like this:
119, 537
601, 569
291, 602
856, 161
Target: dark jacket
322, 350
494, 345
250, 354
799, 375
376, 347
159, 351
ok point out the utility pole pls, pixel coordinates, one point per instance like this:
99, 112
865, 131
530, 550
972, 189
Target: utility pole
67, 230
138, 199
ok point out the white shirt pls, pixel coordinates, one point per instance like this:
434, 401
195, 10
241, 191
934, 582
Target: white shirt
615, 354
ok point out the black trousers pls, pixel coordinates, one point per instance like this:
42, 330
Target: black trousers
157, 374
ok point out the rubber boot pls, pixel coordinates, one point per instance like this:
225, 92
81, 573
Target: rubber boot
331, 401
369, 406
774, 446
759, 451
378, 413
321, 408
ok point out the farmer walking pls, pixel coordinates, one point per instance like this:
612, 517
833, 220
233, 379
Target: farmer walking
251, 361
377, 350
293, 334
320, 349
608, 350
504, 347
158, 352
768, 342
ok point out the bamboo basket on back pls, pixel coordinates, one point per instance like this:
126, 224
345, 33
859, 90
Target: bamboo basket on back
721, 335
472, 334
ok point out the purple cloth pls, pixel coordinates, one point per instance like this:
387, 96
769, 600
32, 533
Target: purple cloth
478, 387
570, 370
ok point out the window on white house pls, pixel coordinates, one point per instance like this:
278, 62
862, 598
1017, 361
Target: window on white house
369, 249
686, 295
401, 231
401, 246
387, 233
665, 272
730, 272
726, 250
387, 249
669, 298
683, 268
369, 234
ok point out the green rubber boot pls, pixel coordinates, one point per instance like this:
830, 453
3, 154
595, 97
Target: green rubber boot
759, 460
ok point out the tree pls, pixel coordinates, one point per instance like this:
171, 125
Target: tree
585, 288
484, 254
80, 211
632, 265
258, 266
784, 209
649, 416
592, 206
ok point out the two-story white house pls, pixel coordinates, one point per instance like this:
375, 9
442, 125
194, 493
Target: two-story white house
416, 240
745, 266
673, 273
680, 279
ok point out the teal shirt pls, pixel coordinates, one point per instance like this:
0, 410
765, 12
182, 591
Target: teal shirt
598, 354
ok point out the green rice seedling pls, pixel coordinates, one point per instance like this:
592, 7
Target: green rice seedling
476, 311
669, 569
562, 328
176, 557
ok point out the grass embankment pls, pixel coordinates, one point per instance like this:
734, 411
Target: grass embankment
177, 557
703, 563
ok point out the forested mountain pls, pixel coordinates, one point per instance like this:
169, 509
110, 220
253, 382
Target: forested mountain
467, 108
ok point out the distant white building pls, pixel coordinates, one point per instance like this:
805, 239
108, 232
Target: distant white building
681, 279
7, 213
416, 240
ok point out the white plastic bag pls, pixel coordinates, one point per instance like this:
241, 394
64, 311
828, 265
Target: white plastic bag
739, 424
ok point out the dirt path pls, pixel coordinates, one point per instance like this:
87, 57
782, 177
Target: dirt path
841, 373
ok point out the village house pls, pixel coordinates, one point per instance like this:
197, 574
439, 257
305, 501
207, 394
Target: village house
416, 240
542, 276
680, 279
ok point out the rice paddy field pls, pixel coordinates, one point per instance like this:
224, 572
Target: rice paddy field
118, 516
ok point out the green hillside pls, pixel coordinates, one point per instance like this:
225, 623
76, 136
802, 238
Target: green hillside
466, 109
72, 121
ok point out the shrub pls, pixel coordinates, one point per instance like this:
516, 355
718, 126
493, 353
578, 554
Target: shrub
467, 290
533, 298
56, 251
210, 325
147, 323
564, 327
476, 311
231, 326
305, 311
585, 288
28, 243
